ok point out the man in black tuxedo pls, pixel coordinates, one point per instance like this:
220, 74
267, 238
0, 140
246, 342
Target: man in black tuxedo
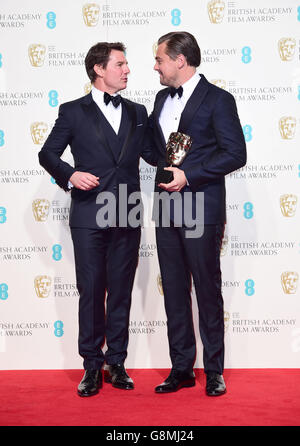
106, 134
208, 114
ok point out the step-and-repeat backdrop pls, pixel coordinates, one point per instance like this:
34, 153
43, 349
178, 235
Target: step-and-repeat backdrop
251, 48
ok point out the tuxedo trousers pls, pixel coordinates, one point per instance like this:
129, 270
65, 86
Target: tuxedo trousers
105, 261
182, 260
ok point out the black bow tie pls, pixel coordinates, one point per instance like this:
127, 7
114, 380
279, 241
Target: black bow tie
116, 100
173, 91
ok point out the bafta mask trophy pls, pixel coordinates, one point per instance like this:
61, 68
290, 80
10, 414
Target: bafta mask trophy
178, 146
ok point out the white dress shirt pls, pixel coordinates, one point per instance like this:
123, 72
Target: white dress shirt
173, 107
112, 114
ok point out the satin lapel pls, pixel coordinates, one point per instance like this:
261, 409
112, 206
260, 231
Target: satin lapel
95, 116
156, 114
193, 104
130, 108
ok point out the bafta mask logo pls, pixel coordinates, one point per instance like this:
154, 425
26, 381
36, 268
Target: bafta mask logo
287, 127
216, 11
87, 88
288, 205
36, 53
224, 245
40, 208
286, 48
42, 286
154, 49
219, 83
91, 12
289, 282
38, 132
226, 320
159, 285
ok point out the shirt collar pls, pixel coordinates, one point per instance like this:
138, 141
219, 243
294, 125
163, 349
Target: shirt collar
98, 95
190, 85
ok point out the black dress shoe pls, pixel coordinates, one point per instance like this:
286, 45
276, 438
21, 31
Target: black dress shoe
176, 380
117, 376
215, 384
90, 383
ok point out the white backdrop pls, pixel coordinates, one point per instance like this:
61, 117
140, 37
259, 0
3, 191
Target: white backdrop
250, 48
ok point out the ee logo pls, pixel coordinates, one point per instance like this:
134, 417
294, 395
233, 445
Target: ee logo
53, 101
247, 130
176, 17
1, 138
58, 329
249, 287
56, 252
248, 210
3, 291
246, 54
51, 23
3, 217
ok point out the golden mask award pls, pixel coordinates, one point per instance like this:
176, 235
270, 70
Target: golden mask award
178, 146
42, 285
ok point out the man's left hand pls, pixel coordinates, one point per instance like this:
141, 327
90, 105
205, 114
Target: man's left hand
179, 180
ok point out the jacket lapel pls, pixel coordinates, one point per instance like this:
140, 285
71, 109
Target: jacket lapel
131, 112
193, 104
156, 113
96, 117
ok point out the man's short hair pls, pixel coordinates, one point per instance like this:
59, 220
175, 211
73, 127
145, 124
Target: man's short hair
182, 43
99, 55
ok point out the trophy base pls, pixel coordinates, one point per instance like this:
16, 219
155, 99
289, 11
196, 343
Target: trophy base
163, 176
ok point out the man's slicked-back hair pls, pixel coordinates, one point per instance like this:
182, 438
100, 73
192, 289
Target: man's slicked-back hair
99, 55
182, 42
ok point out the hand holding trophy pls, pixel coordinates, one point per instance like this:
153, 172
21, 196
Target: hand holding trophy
177, 148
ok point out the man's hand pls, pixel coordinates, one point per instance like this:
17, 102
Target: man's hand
84, 180
179, 180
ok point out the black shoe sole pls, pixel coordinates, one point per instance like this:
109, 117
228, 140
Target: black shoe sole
99, 386
189, 383
216, 394
108, 380
86, 395
122, 388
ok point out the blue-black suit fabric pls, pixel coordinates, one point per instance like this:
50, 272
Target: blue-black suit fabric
210, 117
105, 258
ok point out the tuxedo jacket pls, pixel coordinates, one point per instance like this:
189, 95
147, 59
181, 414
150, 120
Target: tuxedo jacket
218, 146
96, 149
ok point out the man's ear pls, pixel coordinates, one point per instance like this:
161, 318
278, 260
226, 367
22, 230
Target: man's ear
98, 70
181, 60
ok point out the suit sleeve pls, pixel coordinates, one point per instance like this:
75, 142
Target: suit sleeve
230, 153
149, 151
55, 145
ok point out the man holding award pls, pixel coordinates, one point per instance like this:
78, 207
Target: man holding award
197, 133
